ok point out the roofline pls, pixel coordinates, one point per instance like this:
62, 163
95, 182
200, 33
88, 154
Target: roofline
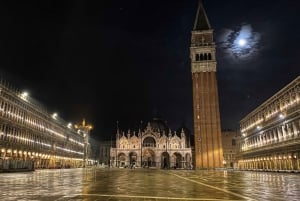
274, 97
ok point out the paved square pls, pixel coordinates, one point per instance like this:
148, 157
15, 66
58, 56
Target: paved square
148, 184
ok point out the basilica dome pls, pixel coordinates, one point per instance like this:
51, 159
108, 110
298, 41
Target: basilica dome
159, 125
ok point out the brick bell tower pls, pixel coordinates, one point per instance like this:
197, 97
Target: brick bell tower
207, 125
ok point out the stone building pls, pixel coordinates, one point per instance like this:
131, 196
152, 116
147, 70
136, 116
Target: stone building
230, 143
104, 152
153, 146
31, 136
271, 133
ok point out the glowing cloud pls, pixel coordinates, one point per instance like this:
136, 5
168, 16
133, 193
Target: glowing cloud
239, 44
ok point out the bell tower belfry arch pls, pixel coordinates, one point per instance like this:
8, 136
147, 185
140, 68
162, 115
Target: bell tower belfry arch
206, 115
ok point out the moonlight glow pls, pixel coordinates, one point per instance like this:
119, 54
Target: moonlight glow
240, 43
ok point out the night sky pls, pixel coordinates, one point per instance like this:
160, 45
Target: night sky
127, 61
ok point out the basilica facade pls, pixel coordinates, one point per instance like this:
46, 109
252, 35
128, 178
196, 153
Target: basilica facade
155, 146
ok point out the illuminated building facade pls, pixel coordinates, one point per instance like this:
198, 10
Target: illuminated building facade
207, 125
155, 146
230, 142
271, 133
29, 135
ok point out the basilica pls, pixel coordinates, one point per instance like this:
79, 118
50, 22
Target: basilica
155, 146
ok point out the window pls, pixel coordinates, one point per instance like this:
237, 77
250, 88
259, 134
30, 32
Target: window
209, 56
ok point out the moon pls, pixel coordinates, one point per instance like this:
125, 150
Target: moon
242, 42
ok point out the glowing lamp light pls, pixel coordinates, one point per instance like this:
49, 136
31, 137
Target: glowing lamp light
24, 95
54, 116
69, 125
242, 42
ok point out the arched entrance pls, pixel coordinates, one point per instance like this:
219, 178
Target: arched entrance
148, 158
165, 160
176, 161
132, 159
121, 160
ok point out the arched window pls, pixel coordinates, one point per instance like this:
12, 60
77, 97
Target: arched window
205, 56
209, 56
201, 57
197, 57
149, 142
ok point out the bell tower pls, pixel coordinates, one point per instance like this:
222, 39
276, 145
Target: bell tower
207, 125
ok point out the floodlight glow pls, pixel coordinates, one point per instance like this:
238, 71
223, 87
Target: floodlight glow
54, 116
24, 95
69, 125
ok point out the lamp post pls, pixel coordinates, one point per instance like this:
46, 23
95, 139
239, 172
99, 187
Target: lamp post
117, 143
86, 128
141, 144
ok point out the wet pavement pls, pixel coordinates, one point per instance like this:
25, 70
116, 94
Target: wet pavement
97, 184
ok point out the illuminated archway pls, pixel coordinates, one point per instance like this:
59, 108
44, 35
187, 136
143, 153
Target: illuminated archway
121, 161
132, 158
149, 158
176, 160
149, 142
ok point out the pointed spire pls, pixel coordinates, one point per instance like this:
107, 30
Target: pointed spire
182, 132
117, 124
201, 22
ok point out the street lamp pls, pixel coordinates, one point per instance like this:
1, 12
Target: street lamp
117, 144
141, 143
86, 128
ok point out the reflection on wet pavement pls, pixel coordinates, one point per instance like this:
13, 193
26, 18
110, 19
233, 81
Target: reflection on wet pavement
93, 184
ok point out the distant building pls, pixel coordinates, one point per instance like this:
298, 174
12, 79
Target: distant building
230, 143
94, 151
154, 146
271, 133
29, 134
104, 152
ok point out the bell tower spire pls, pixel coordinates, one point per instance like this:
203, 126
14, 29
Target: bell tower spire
201, 22
207, 126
